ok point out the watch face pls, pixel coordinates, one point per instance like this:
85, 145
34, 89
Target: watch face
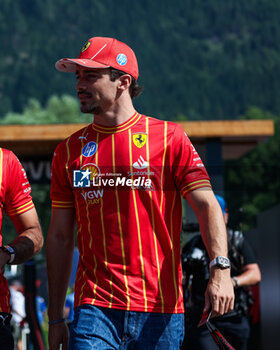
220, 262
223, 261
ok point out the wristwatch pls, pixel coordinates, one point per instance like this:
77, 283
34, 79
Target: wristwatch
220, 262
236, 282
11, 251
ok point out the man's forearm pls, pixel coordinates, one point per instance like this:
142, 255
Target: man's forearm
212, 226
30, 238
213, 232
250, 275
27, 244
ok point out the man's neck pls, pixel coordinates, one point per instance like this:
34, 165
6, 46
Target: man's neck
115, 117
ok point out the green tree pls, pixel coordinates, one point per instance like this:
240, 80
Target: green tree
63, 110
203, 59
253, 182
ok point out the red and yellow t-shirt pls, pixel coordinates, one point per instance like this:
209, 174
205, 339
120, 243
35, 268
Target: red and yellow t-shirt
15, 199
129, 210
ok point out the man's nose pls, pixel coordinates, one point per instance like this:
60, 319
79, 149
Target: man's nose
80, 86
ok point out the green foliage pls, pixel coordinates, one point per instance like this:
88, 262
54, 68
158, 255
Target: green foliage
181, 117
197, 60
202, 59
58, 110
257, 113
253, 182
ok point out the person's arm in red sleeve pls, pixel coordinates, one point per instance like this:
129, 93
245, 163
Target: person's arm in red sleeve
188, 170
20, 208
29, 240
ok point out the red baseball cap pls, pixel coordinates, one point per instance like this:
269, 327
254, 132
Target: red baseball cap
101, 52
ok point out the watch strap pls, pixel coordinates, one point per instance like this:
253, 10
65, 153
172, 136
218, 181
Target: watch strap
11, 251
235, 281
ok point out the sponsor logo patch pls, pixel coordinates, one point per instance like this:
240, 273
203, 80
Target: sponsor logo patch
86, 46
83, 137
89, 149
141, 163
81, 178
139, 140
93, 168
93, 197
121, 59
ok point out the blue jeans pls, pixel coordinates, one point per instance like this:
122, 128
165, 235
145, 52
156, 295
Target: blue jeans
101, 328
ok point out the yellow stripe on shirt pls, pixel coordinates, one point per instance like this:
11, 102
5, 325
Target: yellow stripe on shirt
21, 209
153, 219
120, 225
138, 225
117, 129
195, 185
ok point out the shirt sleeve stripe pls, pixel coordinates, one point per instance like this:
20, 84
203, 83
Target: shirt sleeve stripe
195, 185
21, 209
61, 204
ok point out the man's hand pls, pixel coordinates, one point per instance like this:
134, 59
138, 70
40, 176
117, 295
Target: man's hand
58, 334
219, 295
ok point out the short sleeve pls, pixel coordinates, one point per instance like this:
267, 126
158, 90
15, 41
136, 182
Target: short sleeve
18, 191
248, 253
61, 190
188, 169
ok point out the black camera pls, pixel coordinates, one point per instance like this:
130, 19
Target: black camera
194, 261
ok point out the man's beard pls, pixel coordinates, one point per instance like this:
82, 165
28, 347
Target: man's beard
94, 108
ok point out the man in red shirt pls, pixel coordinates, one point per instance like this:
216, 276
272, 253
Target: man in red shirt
121, 179
16, 202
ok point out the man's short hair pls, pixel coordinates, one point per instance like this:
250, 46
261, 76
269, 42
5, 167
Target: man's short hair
134, 89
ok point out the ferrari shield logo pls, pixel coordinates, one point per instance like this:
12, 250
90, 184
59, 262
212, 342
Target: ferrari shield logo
139, 140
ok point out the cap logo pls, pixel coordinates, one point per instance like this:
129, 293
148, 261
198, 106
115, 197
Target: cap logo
122, 59
86, 46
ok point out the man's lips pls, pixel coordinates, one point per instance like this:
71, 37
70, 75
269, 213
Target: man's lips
84, 96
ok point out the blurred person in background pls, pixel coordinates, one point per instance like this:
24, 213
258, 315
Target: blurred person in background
41, 306
18, 312
17, 204
245, 272
69, 307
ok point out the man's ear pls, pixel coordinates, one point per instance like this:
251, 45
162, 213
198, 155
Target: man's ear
124, 82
